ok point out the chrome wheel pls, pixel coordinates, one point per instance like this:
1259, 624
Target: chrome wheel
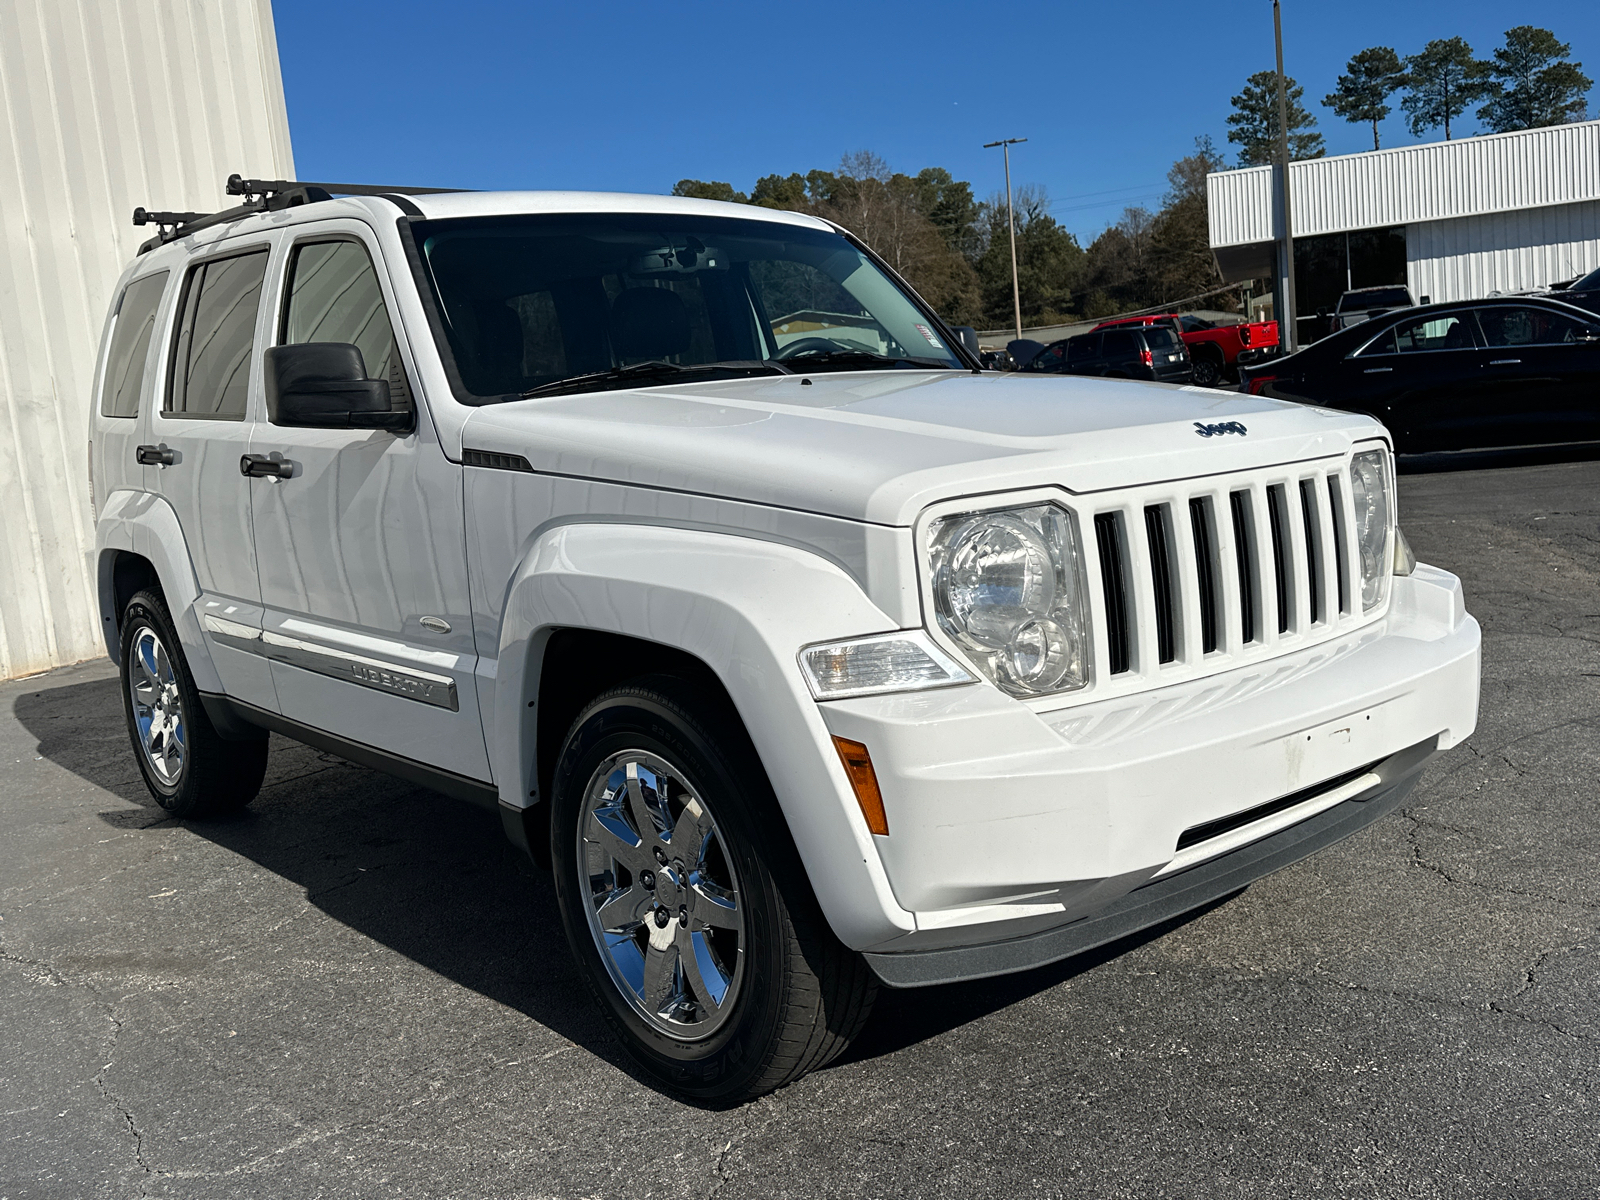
662, 899
157, 710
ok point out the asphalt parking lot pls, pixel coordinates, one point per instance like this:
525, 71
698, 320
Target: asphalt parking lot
353, 991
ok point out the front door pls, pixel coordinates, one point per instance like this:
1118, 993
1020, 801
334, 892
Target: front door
211, 398
1436, 398
363, 547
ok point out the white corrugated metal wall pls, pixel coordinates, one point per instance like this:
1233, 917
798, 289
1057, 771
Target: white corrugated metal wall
1503, 252
1504, 172
104, 105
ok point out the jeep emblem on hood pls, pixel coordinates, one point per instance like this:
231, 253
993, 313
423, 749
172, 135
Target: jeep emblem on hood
1220, 428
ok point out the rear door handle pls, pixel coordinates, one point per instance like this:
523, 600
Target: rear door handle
259, 466
154, 456
1377, 370
1504, 362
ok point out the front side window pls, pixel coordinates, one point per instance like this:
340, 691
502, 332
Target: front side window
1082, 348
547, 303
1511, 327
332, 295
130, 345
1449, 331
216, 332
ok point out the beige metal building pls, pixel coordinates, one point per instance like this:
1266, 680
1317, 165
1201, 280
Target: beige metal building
103, 106
1455, 220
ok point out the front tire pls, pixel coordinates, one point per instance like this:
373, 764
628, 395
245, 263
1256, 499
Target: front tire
685, 902
190, 770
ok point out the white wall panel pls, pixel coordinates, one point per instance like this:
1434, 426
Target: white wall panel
1468, 177
104, 105
1471, 257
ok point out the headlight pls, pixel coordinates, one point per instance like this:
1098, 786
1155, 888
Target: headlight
1008, 588
1372, 490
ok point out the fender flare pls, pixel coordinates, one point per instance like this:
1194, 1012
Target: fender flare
143, 523
744, 607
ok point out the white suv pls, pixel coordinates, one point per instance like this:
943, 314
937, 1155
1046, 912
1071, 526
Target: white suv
807, 656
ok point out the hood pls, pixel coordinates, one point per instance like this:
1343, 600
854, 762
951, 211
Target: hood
880, 446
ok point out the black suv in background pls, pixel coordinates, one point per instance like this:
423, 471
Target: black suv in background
1142, 352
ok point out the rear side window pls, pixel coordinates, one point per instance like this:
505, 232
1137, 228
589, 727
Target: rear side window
1119, 341
333, 296
1507, 327
130, 344
1448, 332
216, 332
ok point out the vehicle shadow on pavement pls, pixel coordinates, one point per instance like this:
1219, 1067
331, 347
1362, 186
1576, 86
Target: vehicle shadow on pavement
1481, 460
435, 880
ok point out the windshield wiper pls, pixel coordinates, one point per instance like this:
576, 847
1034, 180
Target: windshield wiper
857, 358
660, 372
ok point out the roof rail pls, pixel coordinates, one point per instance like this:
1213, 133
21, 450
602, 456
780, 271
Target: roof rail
261, 195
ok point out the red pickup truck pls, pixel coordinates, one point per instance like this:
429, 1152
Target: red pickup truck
1217, 350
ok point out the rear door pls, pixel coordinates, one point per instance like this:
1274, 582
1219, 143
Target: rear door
367, 620
212, 396
1542, 372
125, 395
1434, 380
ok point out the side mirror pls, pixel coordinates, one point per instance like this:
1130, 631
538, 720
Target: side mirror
324, 385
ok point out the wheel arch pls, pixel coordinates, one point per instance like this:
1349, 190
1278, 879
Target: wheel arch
139, 543
591, 602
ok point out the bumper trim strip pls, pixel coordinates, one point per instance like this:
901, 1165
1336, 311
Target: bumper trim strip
1168, 896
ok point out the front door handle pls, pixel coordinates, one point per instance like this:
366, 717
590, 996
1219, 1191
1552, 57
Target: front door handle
259, 466
1377, 370
154, 456
1504, 362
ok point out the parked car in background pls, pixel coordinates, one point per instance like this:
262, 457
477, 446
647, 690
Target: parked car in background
1217, 351
1363, 304
1135, 352
1514, 371
1584, 293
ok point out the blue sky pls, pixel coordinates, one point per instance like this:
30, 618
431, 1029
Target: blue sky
631, 96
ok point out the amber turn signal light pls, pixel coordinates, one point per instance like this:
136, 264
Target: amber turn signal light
864, 781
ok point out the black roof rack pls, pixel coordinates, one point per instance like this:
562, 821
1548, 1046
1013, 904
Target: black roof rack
262, 195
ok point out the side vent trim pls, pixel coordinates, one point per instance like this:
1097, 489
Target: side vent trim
495, 461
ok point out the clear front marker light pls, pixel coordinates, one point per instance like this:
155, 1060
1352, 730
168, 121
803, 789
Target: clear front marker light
1008, 589
871, 666
1372, 494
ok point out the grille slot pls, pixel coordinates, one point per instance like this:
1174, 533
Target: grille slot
1205, 554
1113, 576
1160, 539
1244, 552
1313, 524
1336, 508
1278, 517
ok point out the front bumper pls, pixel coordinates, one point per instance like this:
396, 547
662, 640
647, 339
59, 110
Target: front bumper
1006, 823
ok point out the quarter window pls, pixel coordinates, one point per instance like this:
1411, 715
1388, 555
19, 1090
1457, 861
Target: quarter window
216, 332
130, 345
333, 296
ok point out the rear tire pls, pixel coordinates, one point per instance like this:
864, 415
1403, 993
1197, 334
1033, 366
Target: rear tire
1208, 370
685, 902
190, 770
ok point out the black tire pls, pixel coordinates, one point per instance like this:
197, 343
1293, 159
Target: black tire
1208, 370
211, 776
798, 996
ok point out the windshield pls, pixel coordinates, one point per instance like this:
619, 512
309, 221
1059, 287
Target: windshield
530, 302
1589, 283
1395, 297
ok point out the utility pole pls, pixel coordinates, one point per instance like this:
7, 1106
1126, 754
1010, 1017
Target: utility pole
1287, 326
1005, 145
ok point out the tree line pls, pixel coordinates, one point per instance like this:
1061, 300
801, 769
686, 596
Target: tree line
953, 247
1527, 83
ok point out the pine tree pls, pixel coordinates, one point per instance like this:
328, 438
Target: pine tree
1363, 91
1533, 84
1254, 123
1441, 83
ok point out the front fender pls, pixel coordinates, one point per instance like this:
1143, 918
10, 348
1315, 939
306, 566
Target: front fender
744, 607
143, 523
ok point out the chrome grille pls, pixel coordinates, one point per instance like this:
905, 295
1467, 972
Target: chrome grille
1192, 578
